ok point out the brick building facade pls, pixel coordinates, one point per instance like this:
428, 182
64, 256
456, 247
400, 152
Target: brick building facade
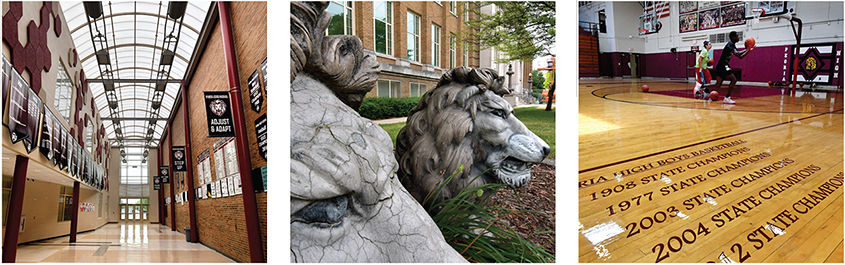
414, 42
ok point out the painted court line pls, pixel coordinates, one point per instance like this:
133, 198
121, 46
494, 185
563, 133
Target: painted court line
699, 143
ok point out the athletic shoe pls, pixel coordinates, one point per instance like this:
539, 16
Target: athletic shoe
729, 101
696, 91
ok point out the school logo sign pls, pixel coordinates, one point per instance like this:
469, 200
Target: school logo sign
218, 114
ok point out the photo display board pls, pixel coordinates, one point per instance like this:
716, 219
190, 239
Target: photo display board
695, 16
255, 97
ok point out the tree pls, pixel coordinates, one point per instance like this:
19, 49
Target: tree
550, 84
521, 30
538, 79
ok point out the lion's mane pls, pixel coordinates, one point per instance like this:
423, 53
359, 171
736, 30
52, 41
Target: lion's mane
436, 140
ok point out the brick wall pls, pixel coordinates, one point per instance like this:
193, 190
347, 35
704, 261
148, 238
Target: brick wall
221, 223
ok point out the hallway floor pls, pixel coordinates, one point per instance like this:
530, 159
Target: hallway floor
134, 242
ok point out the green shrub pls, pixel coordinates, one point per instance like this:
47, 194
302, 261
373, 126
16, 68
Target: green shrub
471, 228
383, 108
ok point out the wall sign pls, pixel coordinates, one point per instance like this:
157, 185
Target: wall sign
218, 113
46, 145
24, 113
264, 74
261, 135
255, 97
178, 155
165, 174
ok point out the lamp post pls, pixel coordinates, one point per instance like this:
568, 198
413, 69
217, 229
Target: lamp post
510, 75
530, 86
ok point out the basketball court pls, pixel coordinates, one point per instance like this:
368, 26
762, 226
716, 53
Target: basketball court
664, 177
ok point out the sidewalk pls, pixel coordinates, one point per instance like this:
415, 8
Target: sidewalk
403, 119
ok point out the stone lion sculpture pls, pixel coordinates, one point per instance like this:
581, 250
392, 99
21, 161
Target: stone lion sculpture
464, 121
347, 204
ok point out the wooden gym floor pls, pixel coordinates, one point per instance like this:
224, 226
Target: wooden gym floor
667, 178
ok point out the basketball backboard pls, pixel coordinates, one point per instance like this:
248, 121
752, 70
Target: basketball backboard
771, 8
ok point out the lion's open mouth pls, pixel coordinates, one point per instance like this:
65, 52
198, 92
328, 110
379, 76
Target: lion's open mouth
514, 172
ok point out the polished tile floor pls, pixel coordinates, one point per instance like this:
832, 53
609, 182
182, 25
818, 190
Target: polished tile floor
135, 242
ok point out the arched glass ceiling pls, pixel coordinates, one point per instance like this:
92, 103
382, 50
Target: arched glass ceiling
135, 34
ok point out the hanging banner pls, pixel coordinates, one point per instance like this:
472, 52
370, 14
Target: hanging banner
255, 97
219, 114
261, 135
7, 76
17, 108
264, 74
71, 156
63, 148
165, 174
46, 146
178, 156
34, 111
57, 141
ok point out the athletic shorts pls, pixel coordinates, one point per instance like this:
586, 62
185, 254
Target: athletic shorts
702, 74
722, 72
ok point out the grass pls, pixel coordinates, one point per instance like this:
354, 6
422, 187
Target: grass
538, 120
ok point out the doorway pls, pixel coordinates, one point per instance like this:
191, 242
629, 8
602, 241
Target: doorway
134, 209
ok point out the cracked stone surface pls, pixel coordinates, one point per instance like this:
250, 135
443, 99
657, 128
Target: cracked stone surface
347, 204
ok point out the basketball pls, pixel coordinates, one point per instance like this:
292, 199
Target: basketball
710, 63
714, 95
749, 42
645, 88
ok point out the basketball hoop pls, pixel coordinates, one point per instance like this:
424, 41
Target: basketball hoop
756, 13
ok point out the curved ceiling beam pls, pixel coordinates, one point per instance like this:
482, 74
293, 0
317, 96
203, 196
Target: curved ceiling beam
129, 45
133, 68
133, 13
139, 99
118, 87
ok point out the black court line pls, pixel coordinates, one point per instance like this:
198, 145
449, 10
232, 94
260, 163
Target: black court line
703, 142
663, 104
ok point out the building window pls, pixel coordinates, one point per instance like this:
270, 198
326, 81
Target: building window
453, 8
7, 195
134, 175
65, 203
435, 45
466, 57
382, 18
466, 11
226, 158
341, 23
452, 51
418, 89
63, 93
413, 37
389, 88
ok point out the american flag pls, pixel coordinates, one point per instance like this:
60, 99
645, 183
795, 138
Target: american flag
660, 8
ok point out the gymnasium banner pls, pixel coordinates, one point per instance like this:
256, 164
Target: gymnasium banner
816, 63
218, 114
46, 146
178, 155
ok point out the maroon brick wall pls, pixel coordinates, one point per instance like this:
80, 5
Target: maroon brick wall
221, 223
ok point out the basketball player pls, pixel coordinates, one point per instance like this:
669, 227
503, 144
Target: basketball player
723, 71
702, 74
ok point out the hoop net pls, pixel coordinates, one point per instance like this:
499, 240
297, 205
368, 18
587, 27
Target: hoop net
756, 13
